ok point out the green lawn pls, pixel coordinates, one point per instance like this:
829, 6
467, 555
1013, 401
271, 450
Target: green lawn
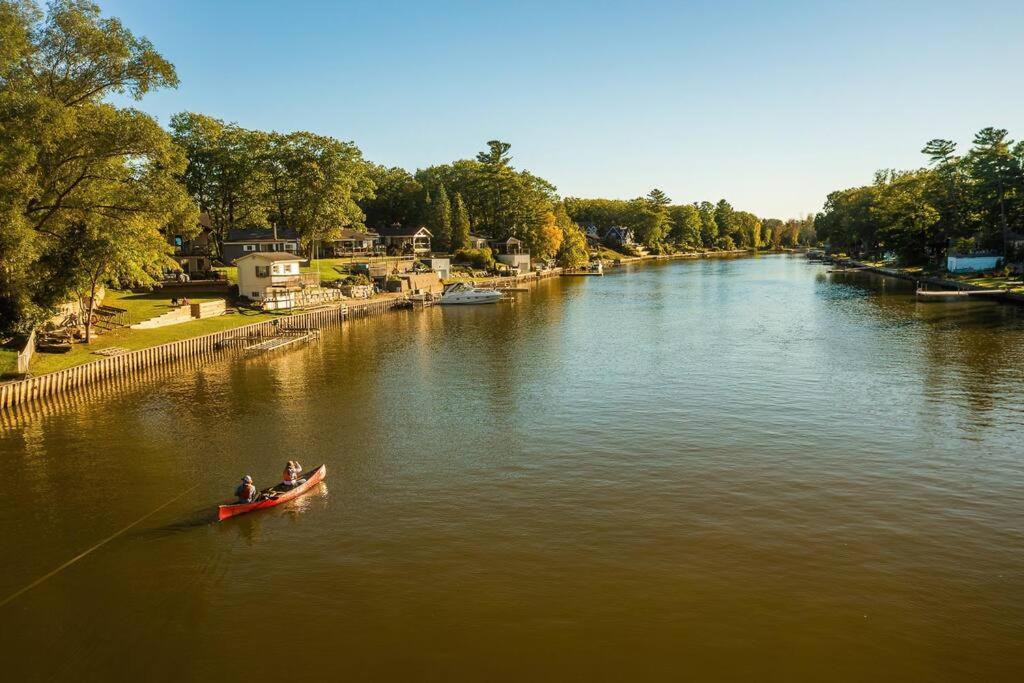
151, 304
142, 307
8, 361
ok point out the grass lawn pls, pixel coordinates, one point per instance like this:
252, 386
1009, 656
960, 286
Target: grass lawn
142, 307
609, 254
8, 361
151, 304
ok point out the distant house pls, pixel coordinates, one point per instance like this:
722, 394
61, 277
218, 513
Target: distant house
406, 239
262, 275
590, 230
620, 236
243, 241
193, 254
476, 242
356, 242
512, 252
972, 263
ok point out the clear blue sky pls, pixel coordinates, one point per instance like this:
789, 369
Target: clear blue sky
770, 105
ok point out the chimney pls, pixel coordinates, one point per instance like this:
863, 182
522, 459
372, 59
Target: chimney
275, 229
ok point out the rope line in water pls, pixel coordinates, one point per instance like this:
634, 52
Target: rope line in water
82, 554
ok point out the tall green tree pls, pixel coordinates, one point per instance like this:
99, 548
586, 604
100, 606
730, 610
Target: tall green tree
460, 224
572, 253
686, 225
996, 172
72, 162
226, 173
441, 220
708, 223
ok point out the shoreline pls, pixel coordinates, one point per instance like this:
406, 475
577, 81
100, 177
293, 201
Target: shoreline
990, 293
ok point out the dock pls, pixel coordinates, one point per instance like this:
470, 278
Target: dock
283, 338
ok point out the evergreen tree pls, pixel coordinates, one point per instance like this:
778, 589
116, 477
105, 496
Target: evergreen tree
460, 224
441, 225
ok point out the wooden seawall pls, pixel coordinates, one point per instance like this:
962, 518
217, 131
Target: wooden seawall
16, 394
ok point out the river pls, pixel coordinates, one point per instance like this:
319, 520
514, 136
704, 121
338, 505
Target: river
746, 469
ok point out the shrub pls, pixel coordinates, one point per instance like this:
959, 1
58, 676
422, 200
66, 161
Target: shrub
725, 243
478, 258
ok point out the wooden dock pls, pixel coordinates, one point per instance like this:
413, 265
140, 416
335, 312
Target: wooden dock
283, 339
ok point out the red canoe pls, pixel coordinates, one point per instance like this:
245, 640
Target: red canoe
284, 494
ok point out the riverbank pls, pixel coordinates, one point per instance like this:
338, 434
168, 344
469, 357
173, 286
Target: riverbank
1007, 295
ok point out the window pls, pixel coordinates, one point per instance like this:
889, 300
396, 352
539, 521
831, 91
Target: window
290, 246
248, 247
262, 271
255, 295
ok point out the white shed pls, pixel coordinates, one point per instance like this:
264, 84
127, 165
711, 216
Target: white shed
972, 263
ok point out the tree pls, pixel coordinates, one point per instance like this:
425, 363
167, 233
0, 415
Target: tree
658, 198
996, 172
573, 251
724, 218
685, 225
747, 229
460, 224
708, 224
396, 199
548, 239
226, 173
122, 253
441, 220
72, 162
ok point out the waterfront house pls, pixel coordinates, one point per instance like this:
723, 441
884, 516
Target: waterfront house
972, 263
512, 252
402, 239
620, 236
266, 275
476, 242
193, 253
356, 242
243, 241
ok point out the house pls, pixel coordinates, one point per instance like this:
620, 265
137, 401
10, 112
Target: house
193, 254
266, 275
242, 241
620, 236
476, 242
512, 252
972, 263
401, 239
356, 242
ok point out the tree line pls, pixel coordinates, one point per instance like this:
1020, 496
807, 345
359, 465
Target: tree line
665, 227
961, 202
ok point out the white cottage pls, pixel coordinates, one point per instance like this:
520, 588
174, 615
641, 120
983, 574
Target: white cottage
972, 263
262, 274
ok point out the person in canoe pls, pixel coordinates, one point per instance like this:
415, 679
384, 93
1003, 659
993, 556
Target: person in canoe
292, 470
246, 491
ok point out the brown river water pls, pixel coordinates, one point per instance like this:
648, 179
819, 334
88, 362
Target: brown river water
741, 469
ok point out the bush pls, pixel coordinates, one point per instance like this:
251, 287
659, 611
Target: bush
478, 258
725, 243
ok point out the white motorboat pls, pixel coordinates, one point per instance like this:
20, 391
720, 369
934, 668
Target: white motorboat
465, 293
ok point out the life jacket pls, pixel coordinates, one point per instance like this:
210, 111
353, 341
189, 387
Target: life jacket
245, 492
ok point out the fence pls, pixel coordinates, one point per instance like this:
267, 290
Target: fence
17, 393
25, 357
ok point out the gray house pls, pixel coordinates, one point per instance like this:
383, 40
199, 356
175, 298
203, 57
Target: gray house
243, 241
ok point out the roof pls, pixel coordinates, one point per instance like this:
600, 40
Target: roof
273, 256
254, 234
403, 230
349, 234
507, 241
